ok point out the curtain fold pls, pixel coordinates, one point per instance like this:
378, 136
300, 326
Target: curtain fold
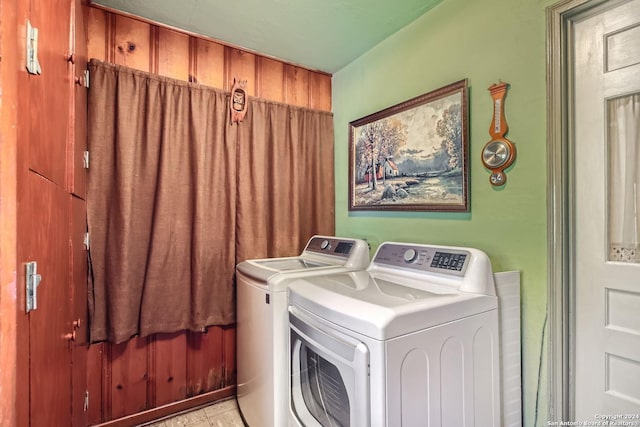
160, 205
624, 178
285, 179
177, 196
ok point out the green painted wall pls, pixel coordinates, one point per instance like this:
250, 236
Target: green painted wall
483, 41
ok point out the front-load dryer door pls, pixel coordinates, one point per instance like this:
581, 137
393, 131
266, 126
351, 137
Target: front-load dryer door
329, 375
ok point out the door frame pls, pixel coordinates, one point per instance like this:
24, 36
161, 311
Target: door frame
560, 18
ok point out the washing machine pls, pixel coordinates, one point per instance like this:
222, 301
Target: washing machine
262, 322
413, 340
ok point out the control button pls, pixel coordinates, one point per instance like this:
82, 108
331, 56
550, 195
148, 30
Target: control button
410, 255
324, 245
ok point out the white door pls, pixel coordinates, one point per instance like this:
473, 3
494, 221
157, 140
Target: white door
607, 214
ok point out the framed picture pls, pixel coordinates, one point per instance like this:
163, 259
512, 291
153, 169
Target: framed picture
412, 156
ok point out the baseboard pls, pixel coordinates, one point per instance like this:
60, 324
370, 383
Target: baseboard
171, 408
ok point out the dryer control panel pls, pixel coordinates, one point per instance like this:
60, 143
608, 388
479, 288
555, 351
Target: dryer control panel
467, 269
424, 258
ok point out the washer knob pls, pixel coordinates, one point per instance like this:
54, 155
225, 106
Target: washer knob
324, 245
410, 255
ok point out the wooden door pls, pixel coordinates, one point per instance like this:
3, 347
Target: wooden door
76, 185
48, 114
78, 291
77, 141
51, 220
44, 239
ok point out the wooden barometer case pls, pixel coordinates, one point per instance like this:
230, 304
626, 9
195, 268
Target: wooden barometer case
499, 153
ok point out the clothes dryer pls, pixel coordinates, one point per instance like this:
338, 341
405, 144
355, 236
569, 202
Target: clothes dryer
262, 322
411, 341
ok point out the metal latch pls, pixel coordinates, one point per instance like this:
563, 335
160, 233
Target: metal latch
85, 159
33, 281
86, 241
33, 65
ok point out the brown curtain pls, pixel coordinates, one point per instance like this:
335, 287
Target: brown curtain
161, 205
285, 179
177, 196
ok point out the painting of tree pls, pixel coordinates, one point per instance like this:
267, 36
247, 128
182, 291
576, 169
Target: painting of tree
448, 128
377, 144
412, 156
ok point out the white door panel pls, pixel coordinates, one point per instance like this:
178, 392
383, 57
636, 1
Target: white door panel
607, 293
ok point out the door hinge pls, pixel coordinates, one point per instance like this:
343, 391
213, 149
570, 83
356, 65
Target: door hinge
86, 241
32, 282
33, 65
86, 79
86, 400
85, 159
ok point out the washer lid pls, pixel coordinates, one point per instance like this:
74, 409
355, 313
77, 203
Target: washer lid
287, 264
322, 254
380, 307
272, 272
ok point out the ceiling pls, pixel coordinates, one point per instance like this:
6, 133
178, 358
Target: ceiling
322, 35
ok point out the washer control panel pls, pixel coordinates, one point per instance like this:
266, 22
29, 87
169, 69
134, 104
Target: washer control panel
329, 246
424, 258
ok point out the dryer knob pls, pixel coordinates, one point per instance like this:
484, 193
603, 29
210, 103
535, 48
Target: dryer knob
410, 255
324, 245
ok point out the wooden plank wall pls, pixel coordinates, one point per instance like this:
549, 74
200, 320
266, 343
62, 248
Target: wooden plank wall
146, 373
137, 44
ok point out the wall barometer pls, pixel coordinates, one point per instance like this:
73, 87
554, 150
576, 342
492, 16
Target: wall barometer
499, 153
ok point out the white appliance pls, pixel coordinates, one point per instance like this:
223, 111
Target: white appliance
411, 341
263, 326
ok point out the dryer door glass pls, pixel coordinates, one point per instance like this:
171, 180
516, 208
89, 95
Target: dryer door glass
329, 375
323, 389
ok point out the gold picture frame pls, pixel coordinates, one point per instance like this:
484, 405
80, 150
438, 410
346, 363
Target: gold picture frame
412, 156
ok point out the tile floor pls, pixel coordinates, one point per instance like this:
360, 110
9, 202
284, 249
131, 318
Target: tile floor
221, 414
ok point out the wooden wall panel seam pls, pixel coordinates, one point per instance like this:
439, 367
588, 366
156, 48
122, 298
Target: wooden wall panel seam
258, 79
193, 60
154, 47
227, 69
107, 386
152, 374
110, 39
